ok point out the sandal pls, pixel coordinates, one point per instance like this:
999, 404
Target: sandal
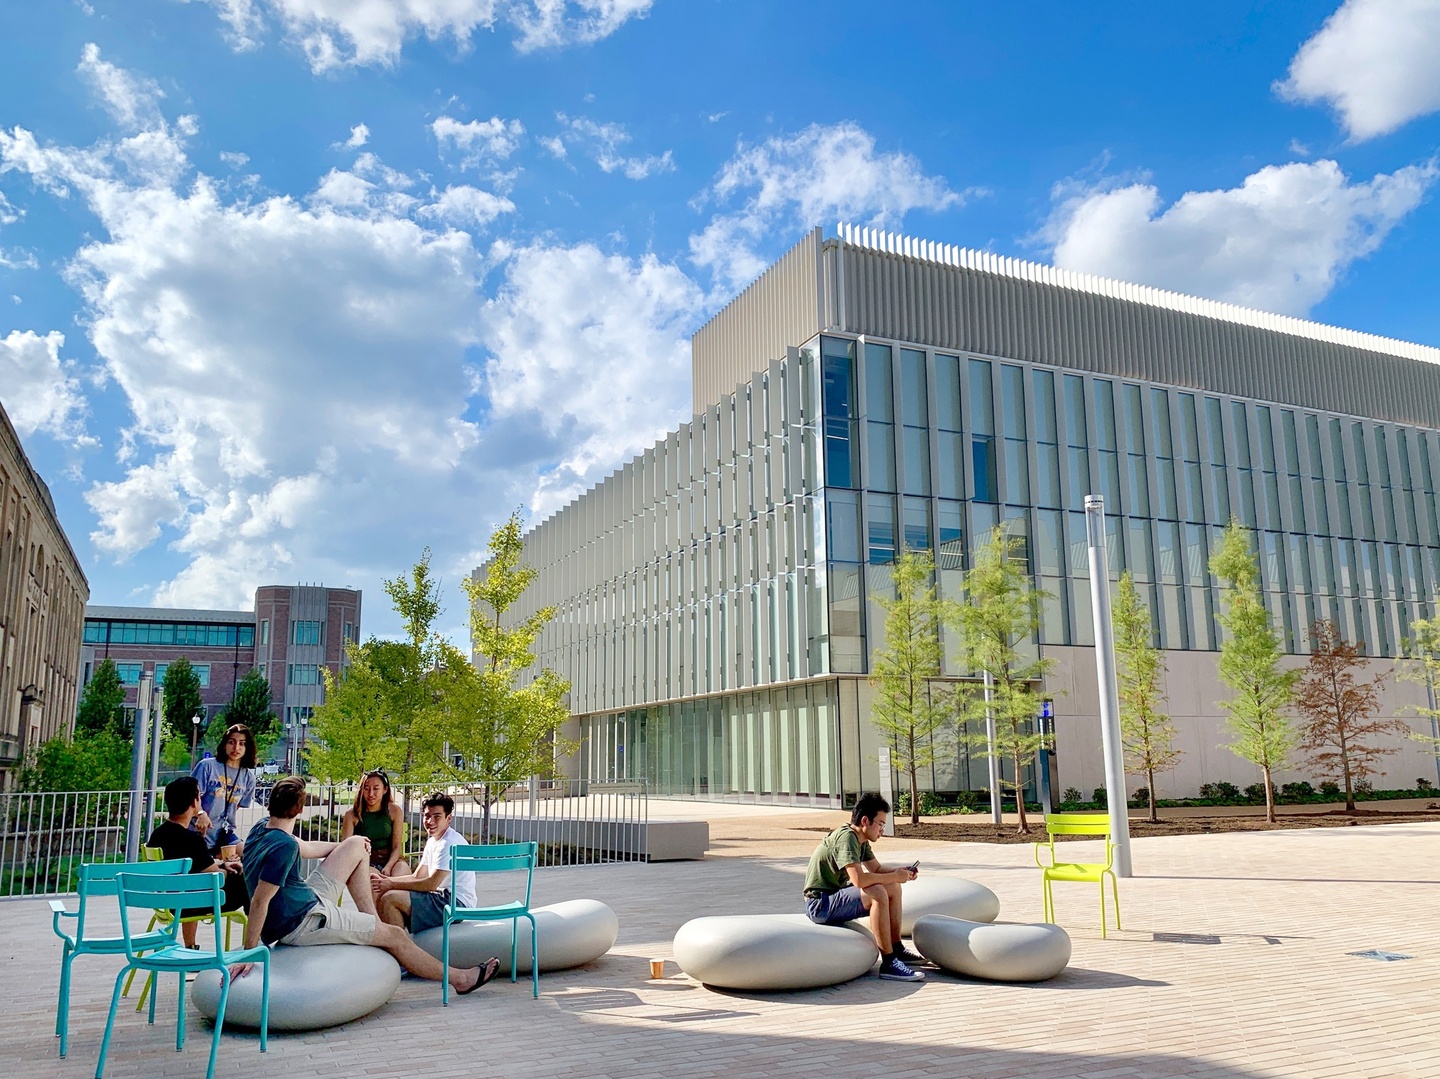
488, 970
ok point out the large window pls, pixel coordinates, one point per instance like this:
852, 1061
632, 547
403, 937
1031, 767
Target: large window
305, 632
202, 672
191, 634
303, 674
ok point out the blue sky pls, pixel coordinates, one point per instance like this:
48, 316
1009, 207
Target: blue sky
291, 289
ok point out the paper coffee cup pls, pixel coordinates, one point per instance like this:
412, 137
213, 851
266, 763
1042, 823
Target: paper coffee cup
657, 968
228, 852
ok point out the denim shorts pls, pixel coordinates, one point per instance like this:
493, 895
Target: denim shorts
836, 908
427, 909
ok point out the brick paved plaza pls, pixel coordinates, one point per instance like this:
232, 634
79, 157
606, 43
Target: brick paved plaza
1267, 989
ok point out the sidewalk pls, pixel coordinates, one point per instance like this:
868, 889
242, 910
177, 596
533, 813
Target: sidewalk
1249, 977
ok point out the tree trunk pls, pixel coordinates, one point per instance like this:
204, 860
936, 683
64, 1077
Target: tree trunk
1154, 812
1349, 791
1020, 797
914, 796
485, 814
1269, 796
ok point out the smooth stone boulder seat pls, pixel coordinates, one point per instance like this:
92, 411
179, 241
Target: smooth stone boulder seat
1008, 952
772, 951
950, 896
310, 988
571, 933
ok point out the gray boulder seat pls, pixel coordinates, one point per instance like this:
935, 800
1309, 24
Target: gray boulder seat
310, 988
950, 896
571, 934
1003, 952
772, 951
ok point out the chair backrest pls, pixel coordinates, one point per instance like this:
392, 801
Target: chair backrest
98, 880
152, 854
1078, 824
184, 892
494, 858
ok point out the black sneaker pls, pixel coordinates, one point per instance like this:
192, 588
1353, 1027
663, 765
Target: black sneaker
895, 970
909, 958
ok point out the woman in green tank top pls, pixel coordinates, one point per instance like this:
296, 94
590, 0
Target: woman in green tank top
379, 820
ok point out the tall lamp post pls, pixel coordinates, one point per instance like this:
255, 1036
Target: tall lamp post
300, 759
194, 738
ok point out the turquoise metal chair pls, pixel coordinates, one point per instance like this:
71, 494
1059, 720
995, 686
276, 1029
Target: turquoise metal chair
97, 881
495, 858
177, 893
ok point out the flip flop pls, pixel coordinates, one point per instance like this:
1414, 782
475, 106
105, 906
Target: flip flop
488, 970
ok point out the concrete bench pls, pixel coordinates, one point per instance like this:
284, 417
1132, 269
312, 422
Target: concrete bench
1004, 952
571, 933
310, 988
772, 952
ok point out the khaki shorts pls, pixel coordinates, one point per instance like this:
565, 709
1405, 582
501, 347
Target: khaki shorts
328, 922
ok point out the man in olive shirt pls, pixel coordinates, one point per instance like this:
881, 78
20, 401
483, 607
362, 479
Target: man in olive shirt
845, 881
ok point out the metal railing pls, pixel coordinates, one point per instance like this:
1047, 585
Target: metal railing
45, 837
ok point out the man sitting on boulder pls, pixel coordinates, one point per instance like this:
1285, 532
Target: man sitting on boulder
418, 900
287, 910
845, 881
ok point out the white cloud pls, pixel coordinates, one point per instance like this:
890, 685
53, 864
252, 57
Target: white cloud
359, 136
463, 206
554, 145
1278, 242
1376, 62
134, 101
551, 24
478, 140
39, 389
595, 350
602, 143
339, 33
810, 178
234, 159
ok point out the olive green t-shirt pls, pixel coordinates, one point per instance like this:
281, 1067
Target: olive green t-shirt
840, 848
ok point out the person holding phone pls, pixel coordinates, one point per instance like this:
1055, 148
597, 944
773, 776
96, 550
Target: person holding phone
845, 882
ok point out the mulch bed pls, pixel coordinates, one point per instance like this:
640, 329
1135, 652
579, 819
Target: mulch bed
975, 829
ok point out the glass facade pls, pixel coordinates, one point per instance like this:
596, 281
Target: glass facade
194, 634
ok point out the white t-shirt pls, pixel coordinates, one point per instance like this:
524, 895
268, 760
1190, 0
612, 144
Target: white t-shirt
436, 857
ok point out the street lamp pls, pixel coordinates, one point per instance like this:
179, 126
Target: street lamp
300, 763
194, 738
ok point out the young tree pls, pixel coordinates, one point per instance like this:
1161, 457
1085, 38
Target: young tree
251, 706
998, 622
96, 762
1147, 734
1339, 711
1250, 664
182, 697
102, 704
1423, 647
353, 731
501, 731
907, 710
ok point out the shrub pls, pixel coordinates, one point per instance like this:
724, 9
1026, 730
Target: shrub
929, 803
1141, 798
1099, 797
1301, 791
1220, 792
1255, 793
1363, 788
1072, 796
967, 801
1423, 784
1330, 790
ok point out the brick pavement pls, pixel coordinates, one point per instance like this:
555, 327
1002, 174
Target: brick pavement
1277, 995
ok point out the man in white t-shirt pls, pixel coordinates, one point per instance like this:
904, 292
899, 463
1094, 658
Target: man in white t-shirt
418, 900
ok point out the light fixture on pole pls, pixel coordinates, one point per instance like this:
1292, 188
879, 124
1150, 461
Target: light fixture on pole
194, 737
300, 763
1115, 800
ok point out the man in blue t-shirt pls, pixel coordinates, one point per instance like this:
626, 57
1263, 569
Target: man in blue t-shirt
286, 909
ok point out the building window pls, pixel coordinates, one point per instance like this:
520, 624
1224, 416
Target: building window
305, 633
265, 631
303, 674
130, 673
349, 631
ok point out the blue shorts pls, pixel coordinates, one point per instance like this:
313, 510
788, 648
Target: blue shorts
836, 908
427, 909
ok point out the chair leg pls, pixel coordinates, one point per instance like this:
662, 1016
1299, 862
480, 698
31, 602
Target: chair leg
109, 1026
154, 983
1103, 933
265, 1005
1115, 890
145, 990
62, 1011
445, 965
514, 948
180, 1017
534, 959
129, 980
220, 1017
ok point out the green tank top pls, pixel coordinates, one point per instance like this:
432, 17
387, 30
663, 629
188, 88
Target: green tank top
377, 828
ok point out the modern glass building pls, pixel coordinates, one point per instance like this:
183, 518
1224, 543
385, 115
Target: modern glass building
717, 594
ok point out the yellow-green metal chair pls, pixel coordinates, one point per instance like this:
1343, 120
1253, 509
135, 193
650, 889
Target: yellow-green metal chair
1094, 825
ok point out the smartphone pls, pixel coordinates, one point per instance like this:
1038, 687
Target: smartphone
914, 866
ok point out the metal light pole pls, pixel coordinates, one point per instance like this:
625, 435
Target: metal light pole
1109, 692
157, 730
194, 738
300, 761
993, 760
137, 770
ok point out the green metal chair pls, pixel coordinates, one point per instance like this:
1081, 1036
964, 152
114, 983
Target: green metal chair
1096, 825
495, 858
97, 881
177, 893
162, 918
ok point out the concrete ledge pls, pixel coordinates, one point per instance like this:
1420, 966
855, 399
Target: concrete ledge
651, 841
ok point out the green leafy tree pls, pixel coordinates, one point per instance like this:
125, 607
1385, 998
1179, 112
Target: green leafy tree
1250, 664
1423, 648
251, 706
501, 732
95, 762
102, 704
354, 731
907, 710
1146, 732
998, 622
182, 698
1341, 731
